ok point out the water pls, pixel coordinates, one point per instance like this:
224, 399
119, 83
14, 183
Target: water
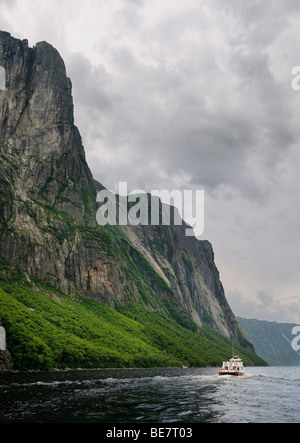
267, 395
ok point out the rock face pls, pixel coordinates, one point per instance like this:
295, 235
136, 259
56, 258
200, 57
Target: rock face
36, 121
187, 266
48, 208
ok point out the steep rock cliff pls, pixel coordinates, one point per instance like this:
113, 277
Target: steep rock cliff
48, 207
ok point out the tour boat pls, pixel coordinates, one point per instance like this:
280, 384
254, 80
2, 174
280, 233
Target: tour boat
234, 366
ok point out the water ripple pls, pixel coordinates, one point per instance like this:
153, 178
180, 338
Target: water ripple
152, 395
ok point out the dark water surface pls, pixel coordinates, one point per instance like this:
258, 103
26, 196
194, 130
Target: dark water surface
192, 395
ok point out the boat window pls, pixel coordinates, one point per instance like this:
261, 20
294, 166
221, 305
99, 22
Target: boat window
2, 78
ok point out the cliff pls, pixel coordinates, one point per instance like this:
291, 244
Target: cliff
48, 195
48, 207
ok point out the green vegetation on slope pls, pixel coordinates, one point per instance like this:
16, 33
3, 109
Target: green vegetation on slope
47, 329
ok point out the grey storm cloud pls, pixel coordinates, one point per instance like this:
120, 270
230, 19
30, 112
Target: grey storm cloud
8, 2
190, 112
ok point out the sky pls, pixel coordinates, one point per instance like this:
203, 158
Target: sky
190, 95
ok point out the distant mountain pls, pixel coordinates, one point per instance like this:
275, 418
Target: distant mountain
51, 246
272, 341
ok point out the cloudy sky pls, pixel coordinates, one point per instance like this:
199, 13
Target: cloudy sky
193, 94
